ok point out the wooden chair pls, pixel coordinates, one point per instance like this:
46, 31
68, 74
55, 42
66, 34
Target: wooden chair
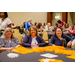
19, 37
16, 31
72, 47
45, 37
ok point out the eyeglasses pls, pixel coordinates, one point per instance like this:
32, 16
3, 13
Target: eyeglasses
8, 32
33, 30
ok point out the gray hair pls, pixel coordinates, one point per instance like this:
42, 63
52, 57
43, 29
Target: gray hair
4, 33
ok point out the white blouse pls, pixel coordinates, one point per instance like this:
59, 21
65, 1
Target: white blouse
4, 23
34, 41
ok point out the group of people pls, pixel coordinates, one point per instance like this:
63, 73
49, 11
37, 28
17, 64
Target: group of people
32, 38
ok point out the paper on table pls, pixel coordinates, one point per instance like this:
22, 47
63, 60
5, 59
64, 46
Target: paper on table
46, 60
12, 55
48, 55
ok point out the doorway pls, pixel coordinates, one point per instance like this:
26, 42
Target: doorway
55, 17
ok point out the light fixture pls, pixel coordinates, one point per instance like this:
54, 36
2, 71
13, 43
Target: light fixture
57, 17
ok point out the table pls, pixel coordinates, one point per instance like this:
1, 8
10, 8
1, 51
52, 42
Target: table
32, 57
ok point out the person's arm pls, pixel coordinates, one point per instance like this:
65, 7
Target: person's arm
69, 39
26, 25
17, 42
42, 42
52, 41
22, 26
9, 23
6, 49
25, 42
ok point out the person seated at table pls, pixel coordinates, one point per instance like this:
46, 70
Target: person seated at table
23, 25
58, 25
72, 31
33, 39
44, 24
74, 24
41, 25
50, 27
9, 40
66, 28
2, 46
59, 37
39, 29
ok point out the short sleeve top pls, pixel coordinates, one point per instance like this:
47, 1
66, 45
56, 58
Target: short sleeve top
4, 23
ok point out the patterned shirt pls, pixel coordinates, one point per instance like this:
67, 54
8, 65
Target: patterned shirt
4, 42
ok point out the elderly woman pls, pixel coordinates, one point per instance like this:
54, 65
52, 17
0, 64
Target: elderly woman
59, 38
2, 46
9, 41
33, 39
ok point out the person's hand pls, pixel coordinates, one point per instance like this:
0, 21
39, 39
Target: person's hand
53, 45
69, 44
35, 46
9, 49
17, 46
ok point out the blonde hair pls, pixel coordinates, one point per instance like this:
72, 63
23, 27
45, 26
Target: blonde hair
29, 19
34, 27
4, 33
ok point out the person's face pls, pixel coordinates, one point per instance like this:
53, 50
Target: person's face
8, 33
58, 32
2, 14
30, 21
66, 25
58, 25
33, 32
37, 25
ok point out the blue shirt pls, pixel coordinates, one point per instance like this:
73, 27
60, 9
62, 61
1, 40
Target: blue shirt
27, 25
57, 41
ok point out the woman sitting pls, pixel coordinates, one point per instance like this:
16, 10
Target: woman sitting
9, 41
2, 46
59, 37
58, 25
39, 29
72, 31
33, 39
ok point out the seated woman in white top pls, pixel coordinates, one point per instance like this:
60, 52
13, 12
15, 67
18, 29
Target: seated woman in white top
4, 22
48, 27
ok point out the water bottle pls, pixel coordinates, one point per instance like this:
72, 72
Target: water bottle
63, 42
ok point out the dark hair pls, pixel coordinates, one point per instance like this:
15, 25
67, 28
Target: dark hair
59, 21
6, 15
35, 23
56, 30
38, 25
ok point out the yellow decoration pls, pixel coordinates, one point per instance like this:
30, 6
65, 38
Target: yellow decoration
50, 60
71, 57
56, 49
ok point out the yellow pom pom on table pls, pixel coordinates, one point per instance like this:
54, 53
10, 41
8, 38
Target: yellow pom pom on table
56, 49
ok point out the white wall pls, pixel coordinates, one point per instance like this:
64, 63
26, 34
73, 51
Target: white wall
19, 17
69, 20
